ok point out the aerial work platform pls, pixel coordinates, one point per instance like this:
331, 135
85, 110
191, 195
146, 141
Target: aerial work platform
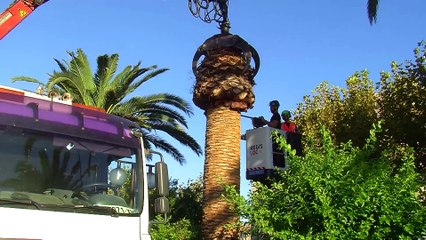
262, 154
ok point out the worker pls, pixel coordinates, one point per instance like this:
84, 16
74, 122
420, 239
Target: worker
287, 125
293, 136
275, 121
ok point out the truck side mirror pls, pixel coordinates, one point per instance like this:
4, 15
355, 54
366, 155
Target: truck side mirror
161, 204
162, 179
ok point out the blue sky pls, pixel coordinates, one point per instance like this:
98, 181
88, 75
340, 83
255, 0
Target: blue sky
301, 43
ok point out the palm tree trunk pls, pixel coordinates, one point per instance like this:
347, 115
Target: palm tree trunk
222, 165
224, 89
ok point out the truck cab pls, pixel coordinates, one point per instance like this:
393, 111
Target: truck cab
69, 171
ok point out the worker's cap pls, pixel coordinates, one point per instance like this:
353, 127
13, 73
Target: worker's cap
274, 103
286, 113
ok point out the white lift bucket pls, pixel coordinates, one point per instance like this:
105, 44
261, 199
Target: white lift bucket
262, 155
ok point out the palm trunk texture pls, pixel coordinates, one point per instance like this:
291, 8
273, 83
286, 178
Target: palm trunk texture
222, 166
223, 89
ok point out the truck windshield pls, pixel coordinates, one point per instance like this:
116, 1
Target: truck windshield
47, 171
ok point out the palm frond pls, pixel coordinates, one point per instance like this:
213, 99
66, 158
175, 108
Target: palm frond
163, 145
122, 112
107, 89
107, 66
26, 79
181, 136
372, 6
80, 68
148, 76
153, 115
75, 87
166, 98
154, 109
123, 82
62, 66
119, 84
58, 79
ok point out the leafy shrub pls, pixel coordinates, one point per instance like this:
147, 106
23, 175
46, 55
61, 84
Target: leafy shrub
402, 104
338, 192
184, 221
179, 230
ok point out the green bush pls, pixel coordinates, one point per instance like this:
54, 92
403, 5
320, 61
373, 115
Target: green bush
184, 221
402, 105
338, 192
179, 230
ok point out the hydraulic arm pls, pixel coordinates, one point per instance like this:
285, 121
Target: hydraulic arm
15, 13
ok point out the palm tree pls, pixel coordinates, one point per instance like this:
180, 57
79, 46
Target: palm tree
223, 89
372, 6
110, 90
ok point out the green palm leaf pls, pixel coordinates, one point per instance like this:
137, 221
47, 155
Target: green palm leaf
163, 145
107, 66
106, 88
27, 79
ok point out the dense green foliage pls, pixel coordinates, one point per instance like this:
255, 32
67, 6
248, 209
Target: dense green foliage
402, 105
111, 90
180, 230
399, 100
186, 202
186, 212
339, 192
347, 112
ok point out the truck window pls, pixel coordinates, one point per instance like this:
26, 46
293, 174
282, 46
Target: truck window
60, 173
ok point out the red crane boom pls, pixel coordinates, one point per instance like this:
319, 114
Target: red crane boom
15, 13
